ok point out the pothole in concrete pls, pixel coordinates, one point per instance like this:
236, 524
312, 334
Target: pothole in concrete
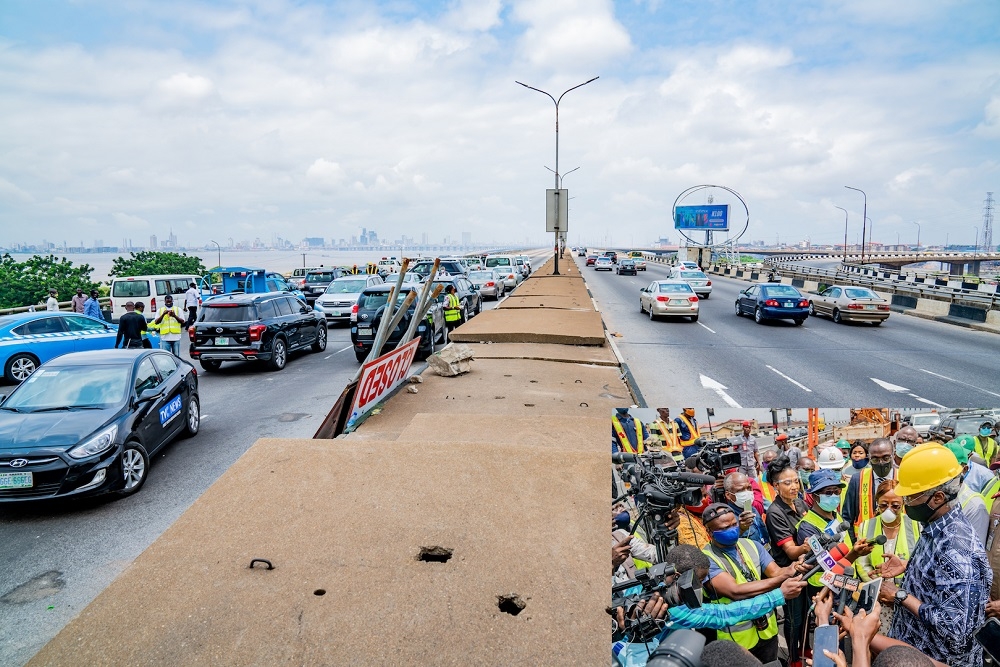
319, 592
435, 554
511, 604
36, 588
529, 405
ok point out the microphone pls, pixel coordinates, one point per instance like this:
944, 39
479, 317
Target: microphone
692, 478
691, 462
837, 552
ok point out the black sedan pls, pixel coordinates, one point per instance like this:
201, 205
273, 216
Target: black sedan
468, 295
773, 302
627, 265
88, 423
372, 306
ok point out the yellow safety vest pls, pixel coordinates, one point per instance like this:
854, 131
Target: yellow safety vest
906, 539
168, 325
692, 431
671, 440
991, 490
623, 440
639, 563
452, 309
816, 520
988, 451
746, 633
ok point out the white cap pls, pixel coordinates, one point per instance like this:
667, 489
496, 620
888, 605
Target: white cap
831, 459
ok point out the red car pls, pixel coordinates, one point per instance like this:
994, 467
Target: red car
591, 259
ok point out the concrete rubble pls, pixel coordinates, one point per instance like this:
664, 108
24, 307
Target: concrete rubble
454, 359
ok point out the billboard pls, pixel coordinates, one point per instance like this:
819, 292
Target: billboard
707, 217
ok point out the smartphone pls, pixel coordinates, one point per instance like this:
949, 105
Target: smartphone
988, 637
827, 637
748, 506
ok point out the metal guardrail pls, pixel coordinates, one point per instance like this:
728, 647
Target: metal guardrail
104, 301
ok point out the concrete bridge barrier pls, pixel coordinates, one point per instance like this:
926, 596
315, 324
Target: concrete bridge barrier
932, 307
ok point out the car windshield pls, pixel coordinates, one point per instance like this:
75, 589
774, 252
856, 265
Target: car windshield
693, 274
227, 313
969, 425
498, 261
481, 275
346, 286
675, 288
780, 290
376, 300
72, 388
925, 420
320, 277
855, 293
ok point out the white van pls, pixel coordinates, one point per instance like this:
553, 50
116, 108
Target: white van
150, 290
506, 266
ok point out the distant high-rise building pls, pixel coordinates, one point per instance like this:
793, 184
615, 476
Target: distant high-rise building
313, 241
466, 238
172, 239
153, 244
424, 239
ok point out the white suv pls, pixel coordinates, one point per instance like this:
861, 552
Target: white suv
340, 297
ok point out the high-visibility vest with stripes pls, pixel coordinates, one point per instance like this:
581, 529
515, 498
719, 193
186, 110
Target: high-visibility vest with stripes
626, 444
987, 450
746, 633
906, 540
989, 491
169, 325
693, 433
452, 309
766, 490
816, 520
866, 509
668, 430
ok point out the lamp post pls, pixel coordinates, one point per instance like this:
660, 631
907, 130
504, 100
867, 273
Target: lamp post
864, 217
845, 231
220, 251
918, 233
556, 172
871, 226
975, 253
563, 176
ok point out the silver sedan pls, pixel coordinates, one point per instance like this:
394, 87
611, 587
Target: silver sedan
697, 279
489, 284
669, 298
846, 303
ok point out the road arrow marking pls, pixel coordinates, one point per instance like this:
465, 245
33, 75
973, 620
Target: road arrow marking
943, 377
896, 389
797, 384
720, 389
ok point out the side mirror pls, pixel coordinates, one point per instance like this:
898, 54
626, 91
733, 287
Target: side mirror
150, 394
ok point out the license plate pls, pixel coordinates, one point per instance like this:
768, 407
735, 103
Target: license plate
788, 304
870, 307
222, 341
335, 313
364, 331
676, 302
15, 480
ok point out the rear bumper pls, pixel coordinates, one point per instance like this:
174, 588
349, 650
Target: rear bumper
770, 313
864, 316
238, 354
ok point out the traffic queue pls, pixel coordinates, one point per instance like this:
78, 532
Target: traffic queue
781, 552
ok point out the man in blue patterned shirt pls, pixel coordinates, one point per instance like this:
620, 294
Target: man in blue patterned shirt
948, 576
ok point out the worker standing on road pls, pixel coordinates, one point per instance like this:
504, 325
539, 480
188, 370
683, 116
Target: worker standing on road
92, 308
452, 308
131, 325
749, 456
169, 322
972, 504
668, 431
52, 303
191, 300
793, 453
859, 502
904, 441
687, 427
986, 444
628, 434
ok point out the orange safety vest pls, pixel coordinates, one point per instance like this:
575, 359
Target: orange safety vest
866, 508
692, 431
623, 440
766, 489
670, 437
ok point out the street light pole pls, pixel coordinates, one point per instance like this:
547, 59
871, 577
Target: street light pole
871, 230
563, 176
220, 251
918, 233
863, 219
845, 231
558, 180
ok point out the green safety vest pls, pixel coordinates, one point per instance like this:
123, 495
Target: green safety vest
746, 633
989, 491
168, 325
986, 448
452, 309
906, 540
816, 520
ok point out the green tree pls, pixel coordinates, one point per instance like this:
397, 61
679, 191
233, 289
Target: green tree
27, 283
155, 263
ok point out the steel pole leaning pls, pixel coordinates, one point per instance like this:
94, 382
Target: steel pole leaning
863, 220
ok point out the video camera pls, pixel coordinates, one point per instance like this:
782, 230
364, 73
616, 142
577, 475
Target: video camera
682, 590
717, 458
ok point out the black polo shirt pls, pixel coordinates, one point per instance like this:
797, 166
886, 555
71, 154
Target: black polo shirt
781, 521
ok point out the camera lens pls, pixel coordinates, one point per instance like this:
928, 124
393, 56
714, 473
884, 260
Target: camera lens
682, 648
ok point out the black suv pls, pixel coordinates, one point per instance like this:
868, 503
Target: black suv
371, 305
468, 295
451, 267
255, 327
317, 281
959, 423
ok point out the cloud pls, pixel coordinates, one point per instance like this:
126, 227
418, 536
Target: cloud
130, 222
325, 174
571, 33
10, 191
182, 91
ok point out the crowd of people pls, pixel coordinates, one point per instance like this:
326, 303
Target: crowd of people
904, 532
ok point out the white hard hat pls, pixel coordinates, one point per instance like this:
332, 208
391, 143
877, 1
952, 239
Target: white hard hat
831, 459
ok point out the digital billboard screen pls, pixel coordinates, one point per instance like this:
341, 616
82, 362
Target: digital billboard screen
709, 216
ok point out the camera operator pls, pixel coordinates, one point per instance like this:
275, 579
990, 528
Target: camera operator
741, 569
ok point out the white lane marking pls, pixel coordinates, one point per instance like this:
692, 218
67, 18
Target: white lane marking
345, 349
944, 377
327, 357
719, 389
896, 389
706, 327
797, 384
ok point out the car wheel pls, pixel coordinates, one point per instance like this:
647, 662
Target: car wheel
320, 344
641, 309
651, 316
694, 318
836, 316
706, 296
135, 466
360, 355
758, 315
279, 355
812, 309
798, 321
211, 365
193, 421
19, 367
739, 312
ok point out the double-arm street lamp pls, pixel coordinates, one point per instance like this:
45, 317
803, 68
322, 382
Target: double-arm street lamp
845, 231
556, 102
918, 233
863, 220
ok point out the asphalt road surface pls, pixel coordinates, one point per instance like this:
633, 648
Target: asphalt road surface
57, 556
728, 360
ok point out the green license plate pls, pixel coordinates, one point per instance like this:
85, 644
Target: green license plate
222, 341
15, 480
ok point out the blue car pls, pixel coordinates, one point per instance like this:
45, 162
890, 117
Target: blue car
28, 340
773, 302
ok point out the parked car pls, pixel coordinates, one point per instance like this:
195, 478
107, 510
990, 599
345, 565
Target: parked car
591, 260
244, 280
388, 265
846, 303
527, 264
923, 422
772, 302
255, 327
626, 265
489, 283
700, 282
955, 424
603, 263
28, 340
337, 302
150, 290
669, 298
90, 423
371, 306
317, 281
467, 293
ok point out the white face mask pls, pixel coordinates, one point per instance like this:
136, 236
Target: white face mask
744, 497
888, 516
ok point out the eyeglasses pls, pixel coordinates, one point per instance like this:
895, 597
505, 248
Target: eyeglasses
895, 506
883, 459
909, 442
909, 501
828, 492
788, 482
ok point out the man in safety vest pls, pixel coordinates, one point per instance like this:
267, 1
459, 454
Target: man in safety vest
452, 308
687, 432
739, 569
169, 322
986, 444
972, 504
628, 434
859, 501
668, 431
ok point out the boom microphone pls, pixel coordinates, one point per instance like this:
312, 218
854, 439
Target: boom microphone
692, 478
622, 457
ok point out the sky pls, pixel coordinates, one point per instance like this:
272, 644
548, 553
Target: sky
291, 118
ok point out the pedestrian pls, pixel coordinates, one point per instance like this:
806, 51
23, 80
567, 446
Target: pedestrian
859, 501
687, 427
169, 322
904, 440
628, 434
78, 301
130, 328
192, 299
986, 444
746, 444
742, 501
140, 309
92, 308
52, 303
452, 308
943, 598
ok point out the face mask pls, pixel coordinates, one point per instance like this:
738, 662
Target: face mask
727, 537
985, 432
765, 464
902, 448
804, 478
920, 513
744, 497
623, 520
882, 470
888, 516
829, 503
858, 465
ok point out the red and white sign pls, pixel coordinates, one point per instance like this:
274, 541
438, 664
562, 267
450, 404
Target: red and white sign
380, 377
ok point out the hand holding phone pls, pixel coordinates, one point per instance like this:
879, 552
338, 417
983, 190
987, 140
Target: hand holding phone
826, 640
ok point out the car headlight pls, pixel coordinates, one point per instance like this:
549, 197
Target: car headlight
97, 444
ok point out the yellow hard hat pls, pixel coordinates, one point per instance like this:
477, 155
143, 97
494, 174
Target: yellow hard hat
926, 467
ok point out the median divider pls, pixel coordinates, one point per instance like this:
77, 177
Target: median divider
465, 523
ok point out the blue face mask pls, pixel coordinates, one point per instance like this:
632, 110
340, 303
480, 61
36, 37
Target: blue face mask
829, 503
985, 432
902, 448
858, 465
727, 537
